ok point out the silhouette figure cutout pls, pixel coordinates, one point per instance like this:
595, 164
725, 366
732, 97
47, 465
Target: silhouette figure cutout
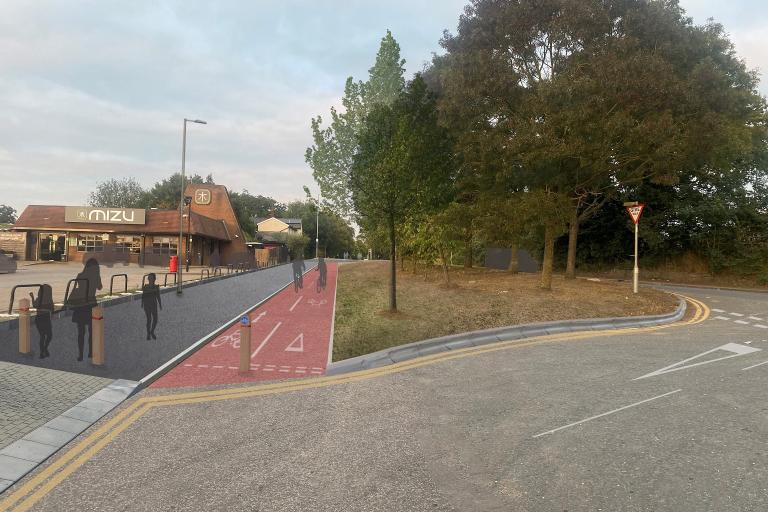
44, 306
83, 299
298, 273
150, 301
323, 269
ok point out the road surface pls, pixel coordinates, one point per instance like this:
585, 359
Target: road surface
657, 419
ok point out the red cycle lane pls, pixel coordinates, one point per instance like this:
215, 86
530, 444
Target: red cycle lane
290, 337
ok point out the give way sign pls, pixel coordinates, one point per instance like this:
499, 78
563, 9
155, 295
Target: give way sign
635, 212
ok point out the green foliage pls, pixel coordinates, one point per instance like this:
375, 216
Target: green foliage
7, 214
331, 156
119, 193
295, 243
336, 235
166, 194
247, 207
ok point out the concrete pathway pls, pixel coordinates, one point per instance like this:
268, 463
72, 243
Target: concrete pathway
668, 418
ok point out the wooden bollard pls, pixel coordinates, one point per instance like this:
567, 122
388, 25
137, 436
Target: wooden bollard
97, 331
25, 346
245, 344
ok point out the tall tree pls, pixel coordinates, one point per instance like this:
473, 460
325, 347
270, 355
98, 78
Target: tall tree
248, 206
166, 194
403, 165
332, 154
119, 193
7, 214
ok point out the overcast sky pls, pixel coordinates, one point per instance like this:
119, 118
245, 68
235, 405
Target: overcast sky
91, 90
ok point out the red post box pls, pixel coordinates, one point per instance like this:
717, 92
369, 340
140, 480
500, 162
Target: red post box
173, 266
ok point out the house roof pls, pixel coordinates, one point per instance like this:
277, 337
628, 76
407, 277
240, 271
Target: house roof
160, 222
291, 221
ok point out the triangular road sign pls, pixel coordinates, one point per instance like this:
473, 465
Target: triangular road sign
735, 349
635, 212
297, 345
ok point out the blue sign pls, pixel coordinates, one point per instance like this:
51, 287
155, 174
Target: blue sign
244, 320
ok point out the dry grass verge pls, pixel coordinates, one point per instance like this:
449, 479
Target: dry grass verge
478, 299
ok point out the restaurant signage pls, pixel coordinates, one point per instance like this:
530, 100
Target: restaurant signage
104, 215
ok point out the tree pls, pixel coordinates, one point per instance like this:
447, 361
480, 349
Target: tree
118, 193
581, 99
7, 214
166, 194
403, 166
336, 235
332, 154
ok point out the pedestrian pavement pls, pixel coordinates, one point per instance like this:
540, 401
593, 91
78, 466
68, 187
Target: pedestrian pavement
183, 321
31, 396
291, 337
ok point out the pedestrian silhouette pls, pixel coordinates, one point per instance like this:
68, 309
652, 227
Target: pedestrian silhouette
298, 273
323, 269
150, 301
83, 299
44, 306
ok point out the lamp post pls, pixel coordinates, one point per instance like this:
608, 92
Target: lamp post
188, 203
181, 195
317, 230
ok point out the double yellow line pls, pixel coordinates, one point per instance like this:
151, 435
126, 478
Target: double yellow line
46, 480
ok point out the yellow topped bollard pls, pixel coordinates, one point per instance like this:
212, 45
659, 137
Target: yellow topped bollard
25, 346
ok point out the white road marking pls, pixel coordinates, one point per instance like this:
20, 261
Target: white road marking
735, 314
264, 342
606, 413
757, 318
722, 318
297, 345
742, 322
296, 303
217, 366
283, 371
718, 310
761, 326
267, 369
734, 348
755, 365
202, 366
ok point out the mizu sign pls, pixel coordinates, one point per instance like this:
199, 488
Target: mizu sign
104, 215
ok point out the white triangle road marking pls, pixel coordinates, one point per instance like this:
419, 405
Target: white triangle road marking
296, 348
735, 349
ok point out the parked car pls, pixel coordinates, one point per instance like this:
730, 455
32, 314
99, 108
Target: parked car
7, 264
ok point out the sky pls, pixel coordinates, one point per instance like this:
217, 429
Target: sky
95, 89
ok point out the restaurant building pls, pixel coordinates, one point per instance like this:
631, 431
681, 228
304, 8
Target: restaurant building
147, 237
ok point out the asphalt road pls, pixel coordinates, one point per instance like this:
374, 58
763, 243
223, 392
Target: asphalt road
549, 425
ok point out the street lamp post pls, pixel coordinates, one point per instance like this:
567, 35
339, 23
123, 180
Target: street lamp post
181, 201
188, 203
317, 230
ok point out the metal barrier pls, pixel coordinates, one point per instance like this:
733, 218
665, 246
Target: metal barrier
13, 293
112, 282
87, 289
165, 279
207, 273
217, 269
230, 268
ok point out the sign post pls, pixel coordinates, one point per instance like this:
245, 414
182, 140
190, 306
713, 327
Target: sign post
635, 210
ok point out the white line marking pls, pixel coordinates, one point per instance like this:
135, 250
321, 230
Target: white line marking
218, 366
189, 365
718, 310
757, 318
761, 326
606, 413
266, 340
202, 366
267, 369
270, 366
296, 303
234, 368
284, 371
333, 318
755, 365
735, 349
300, 371
722, 318
296, 345
735, 314
742, 322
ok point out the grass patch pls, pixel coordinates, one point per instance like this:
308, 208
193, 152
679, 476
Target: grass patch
477, 299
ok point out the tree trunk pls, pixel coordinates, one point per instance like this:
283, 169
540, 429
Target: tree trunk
512, 268
573, 235
468, 256
393, 266
445, 267
549, 256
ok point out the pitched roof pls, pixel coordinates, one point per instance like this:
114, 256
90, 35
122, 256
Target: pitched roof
165, 222
291, 221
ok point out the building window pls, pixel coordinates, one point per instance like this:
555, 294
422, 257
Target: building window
164, 245
128, 244
90, 243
